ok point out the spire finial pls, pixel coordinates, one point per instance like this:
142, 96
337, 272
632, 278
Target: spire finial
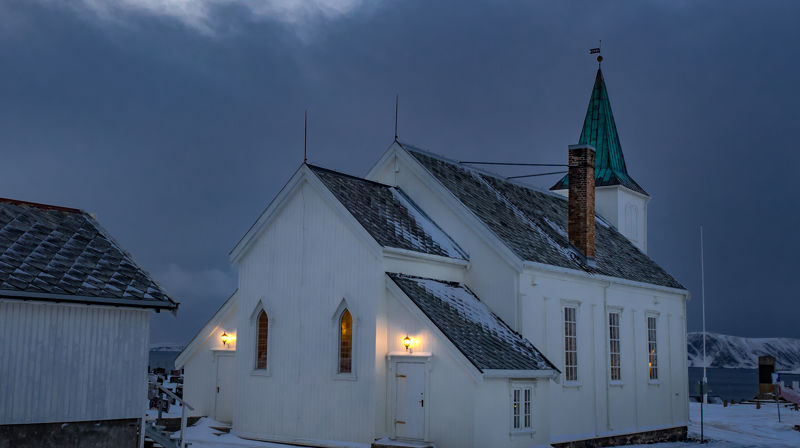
305, 138
597, 52
396, 110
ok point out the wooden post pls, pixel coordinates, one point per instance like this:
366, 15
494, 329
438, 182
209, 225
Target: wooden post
183, 425
758, 404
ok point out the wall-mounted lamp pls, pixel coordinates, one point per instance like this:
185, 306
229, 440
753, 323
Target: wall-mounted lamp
224, 338
407, 342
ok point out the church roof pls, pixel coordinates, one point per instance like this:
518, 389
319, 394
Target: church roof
600, 131
389, 215
533, 223
63, 254
486, 341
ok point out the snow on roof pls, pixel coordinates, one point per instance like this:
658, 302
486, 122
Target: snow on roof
533, 223
487, 341
60, 251
389, 215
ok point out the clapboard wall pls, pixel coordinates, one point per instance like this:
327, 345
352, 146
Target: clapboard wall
64, 362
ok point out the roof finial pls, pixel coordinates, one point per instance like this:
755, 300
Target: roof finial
305, 138
597, 52
396, 110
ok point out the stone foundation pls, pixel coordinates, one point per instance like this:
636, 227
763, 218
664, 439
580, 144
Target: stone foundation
90, 434
661, 435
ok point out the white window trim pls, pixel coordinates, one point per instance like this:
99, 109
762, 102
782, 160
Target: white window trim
521, 386
618, 311
335, 320
254, 338
577, 305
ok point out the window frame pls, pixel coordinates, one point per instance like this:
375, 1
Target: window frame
518, 403
611, 353
259, 308
335, 342
570, 381
340, 344
652, 347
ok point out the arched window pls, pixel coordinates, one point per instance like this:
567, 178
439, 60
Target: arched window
346, 342
262, 328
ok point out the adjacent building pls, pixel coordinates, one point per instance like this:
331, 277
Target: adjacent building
74, 323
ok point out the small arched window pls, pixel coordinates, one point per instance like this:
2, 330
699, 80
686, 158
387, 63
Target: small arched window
262, 328
346, 342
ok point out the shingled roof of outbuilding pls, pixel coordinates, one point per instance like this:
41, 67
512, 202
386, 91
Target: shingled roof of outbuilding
389, 215
533, 223
63, 254
484, 339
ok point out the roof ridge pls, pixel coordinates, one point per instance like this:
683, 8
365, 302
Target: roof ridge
400, 274
478, 170
339, 173
42, 206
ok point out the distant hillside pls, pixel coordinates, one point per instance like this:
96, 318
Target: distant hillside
166, 347
735, 352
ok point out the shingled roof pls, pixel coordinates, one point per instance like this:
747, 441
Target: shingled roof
533, 223
389, 215
478, 333
63, 254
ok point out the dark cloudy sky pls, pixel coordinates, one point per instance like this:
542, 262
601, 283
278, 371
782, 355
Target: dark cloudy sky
177, 121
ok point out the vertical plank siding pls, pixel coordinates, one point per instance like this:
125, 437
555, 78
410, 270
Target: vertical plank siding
63, 362
301, 268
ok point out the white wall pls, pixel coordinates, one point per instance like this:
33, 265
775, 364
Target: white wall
464, 410
200, 370
626, 210
301, 267
490, 276
592, 406
63, 362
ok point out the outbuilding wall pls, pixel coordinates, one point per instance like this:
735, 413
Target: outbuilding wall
67, 363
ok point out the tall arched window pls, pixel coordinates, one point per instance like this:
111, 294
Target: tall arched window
262, 328
346, 342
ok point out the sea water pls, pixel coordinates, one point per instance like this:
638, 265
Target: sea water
731, 384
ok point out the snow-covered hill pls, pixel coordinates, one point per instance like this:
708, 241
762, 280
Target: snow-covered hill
166, 347
736, 352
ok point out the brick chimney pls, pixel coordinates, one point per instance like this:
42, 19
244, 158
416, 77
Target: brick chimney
581, 199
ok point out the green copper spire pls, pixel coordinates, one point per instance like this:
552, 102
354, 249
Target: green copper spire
600, 131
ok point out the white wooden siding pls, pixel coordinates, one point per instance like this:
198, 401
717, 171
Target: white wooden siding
61, 362
301, 267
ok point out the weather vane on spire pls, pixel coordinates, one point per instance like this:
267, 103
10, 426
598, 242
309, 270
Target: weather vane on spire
597, 52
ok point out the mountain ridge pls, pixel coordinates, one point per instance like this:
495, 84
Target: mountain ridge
735, 352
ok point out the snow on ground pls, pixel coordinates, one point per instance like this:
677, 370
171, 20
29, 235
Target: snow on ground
735, 426
202, 434
741, 426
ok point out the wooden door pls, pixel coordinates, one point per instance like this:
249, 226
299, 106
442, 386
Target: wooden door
223, 407
410, 400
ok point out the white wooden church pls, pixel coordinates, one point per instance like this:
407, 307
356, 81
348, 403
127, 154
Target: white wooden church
432, 303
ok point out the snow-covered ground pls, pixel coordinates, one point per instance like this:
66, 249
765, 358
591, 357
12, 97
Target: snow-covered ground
736, 426
741, 426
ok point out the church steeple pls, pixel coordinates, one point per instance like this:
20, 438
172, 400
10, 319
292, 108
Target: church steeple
600, 131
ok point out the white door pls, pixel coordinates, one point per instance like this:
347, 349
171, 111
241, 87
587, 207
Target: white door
409, 420
223, 407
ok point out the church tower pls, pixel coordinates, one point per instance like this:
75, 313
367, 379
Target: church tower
618, 198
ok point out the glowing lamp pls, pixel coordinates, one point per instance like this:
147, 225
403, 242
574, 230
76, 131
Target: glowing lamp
224, 338
406, 342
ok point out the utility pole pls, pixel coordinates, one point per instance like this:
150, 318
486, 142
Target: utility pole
704, 382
